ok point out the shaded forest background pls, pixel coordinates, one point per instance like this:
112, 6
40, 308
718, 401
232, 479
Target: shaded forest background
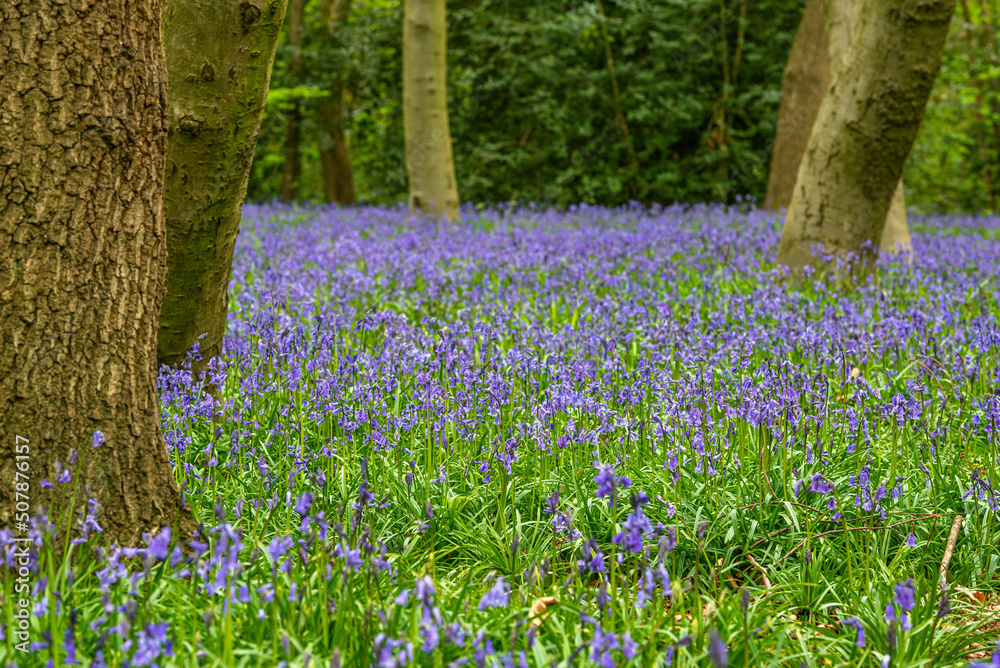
535, 115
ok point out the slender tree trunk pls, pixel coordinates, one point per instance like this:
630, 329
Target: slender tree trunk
293, 132
83, 129
805, 82
335, 159
865, 129
219, 58
429, 165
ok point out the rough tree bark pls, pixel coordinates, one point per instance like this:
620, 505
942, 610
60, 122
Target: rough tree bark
293, 132
335, 159
430, 167
219, 58
841, 21
83, 129
805, 82
865, 129
803, 85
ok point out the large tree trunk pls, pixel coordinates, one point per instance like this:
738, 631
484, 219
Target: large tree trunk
865, 129
430, 168
841, 22
335, 159
83, 129
804, 84
293, 131
219, 58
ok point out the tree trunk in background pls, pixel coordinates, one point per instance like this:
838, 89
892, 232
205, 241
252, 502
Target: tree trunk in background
841, 21
896, 233
219, 58
865, 129
804, 84
430, 168
83, 129
338, 177
293, 132
335, 159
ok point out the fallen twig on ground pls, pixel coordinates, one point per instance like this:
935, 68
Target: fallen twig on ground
763, 573
949, 550
863, 528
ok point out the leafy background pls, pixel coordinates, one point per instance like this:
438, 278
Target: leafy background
534, 115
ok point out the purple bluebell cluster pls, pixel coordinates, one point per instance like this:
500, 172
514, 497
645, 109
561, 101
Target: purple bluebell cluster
407, 406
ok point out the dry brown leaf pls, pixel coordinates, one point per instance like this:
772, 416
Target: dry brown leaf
973, 595
539, 610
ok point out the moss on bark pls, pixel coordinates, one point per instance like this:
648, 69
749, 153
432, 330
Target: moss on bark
219, 58
864, 131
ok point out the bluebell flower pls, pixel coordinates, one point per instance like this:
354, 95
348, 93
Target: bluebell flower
151, 644
854, 622
944, 605
390, 653
605, 479
717, 652
593, 559
455, 634
906, 595
303, 504
633, 529
278, 546
552, 503
601, 646
629, 646
647, 585
159, 546
819, 486
496, 597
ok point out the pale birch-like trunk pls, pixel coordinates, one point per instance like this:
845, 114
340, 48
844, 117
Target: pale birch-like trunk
219, 58
865, 129
430, 167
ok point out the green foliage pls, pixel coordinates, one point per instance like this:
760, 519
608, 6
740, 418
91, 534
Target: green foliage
955, 164
532, 106
534, 118
429, 400
365, 55
282, 97
535, 100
